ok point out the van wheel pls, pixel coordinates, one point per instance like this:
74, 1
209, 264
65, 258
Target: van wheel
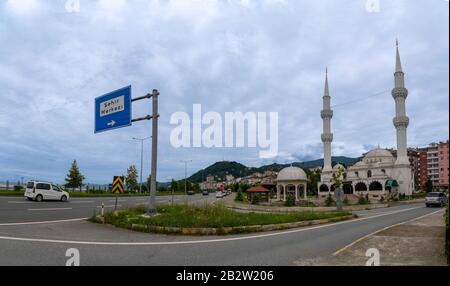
39, 198
63, 199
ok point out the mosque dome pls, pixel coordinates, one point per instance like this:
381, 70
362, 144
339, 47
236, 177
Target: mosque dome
379, 153
292, 174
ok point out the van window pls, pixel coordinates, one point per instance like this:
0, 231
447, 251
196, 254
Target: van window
30, 185
56, 188
43, 186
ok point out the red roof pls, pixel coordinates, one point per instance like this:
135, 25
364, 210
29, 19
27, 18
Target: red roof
258, 189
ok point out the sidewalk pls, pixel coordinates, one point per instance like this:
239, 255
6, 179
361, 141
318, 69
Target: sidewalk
415, 243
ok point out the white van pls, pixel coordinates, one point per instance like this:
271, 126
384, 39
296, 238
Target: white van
40, 191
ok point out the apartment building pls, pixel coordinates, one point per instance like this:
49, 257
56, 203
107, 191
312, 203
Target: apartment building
434, 165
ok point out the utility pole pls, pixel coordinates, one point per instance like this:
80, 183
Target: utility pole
142, 158
185, 174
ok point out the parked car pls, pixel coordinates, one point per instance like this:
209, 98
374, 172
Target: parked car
229, 192
436, 199
220, 195
205, 193
41, 191
191, 193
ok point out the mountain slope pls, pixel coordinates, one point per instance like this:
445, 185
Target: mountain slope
221, 169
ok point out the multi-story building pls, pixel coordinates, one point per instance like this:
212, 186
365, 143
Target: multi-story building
434, 165
443, 164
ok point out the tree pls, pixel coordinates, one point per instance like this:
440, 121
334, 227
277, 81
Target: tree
131, 178
196, 188
338, 177
239, 196
429, 186
174, 186
74, 178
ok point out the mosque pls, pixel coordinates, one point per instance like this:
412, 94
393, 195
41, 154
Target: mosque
377, 175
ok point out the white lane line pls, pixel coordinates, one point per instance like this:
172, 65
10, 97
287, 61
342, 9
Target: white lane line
42, 222
82, 202
49, 209
198, 241
21, 202
380, 230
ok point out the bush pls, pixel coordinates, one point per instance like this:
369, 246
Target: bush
239, 196
256, 199
290, 201
329, 202
18, 188
364, 200
346, 201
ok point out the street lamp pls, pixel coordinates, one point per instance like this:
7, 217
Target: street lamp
185, 174
142, 158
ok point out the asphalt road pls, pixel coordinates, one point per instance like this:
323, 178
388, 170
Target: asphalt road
19, 209
46, 244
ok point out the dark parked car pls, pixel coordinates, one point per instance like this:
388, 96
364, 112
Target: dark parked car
436, 199
205, 193
191, 193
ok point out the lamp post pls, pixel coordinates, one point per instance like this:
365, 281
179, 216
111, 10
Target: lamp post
185, 174
142, 158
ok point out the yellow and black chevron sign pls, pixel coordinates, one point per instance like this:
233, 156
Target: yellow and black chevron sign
117, 186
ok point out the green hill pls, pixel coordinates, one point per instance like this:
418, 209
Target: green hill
220, 169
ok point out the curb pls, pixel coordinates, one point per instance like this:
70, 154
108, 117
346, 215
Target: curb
236, 229
307, 209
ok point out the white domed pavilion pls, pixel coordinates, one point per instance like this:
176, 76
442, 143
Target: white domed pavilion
292, 181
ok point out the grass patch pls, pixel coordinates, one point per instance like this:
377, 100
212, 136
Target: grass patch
208, 216
11, 193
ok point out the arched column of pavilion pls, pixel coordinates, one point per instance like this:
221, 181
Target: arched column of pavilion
283, 189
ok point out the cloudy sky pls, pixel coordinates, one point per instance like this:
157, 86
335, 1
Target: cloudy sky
228, 56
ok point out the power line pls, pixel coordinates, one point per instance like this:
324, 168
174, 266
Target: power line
360, 99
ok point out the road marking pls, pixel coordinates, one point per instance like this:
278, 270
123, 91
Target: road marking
12, 202
198, 241
41, 222
49, 209
82, 202
380, 230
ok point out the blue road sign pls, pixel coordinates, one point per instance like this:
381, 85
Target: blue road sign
113, 110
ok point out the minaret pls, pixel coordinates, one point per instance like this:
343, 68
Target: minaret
401, 121
327, 136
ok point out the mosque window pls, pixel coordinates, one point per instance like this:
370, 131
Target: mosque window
369, 174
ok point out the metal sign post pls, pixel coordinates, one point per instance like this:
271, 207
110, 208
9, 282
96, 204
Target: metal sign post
113, 111
152, 206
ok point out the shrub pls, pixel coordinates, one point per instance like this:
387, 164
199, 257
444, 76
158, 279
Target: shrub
239, 196
346, 201
329, 202
290, 201
363, 200
18, 188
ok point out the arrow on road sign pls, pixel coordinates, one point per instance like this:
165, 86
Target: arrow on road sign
112, 123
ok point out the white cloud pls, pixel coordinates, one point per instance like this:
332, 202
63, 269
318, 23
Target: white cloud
271, 57
22, 6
